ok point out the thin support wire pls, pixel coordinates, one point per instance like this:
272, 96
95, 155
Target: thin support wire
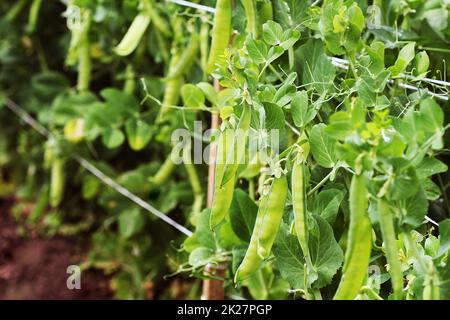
189, 4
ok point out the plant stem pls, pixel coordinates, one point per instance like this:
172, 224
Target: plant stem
12, 14
321, 183
164, 172
251, 188
130, 82
84, 58
390, 244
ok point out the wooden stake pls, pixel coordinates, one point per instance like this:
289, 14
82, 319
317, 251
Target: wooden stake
213, 288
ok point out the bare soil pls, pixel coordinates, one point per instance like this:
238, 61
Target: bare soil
32, 267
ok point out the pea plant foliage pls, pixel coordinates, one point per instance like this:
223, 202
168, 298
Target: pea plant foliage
342, 195
319, 127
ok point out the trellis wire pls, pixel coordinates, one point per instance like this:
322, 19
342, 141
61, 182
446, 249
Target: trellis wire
28, 119
344, 64
193, 5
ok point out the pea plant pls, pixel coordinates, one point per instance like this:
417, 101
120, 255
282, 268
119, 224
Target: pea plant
303, 142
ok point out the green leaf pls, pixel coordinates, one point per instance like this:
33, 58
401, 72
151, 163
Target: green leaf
302, 113
274, 120
120, 102
414, 208
327, 203
200, 257
289, 258
444, 236
430, 166
257, 50
326, 255
192, 96
243, 212
437, 18
139, 133
209, 92
130, 222
203, 236
431, 119
290, 37
318, 71
405, 56
273, 54
323, 147
112, 138
91, 186
421, 63
272, 33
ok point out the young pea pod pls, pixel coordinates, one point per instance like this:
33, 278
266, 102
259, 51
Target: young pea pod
172, 92
157, 20
223, 195
299, 206
134, 34
250, 14
84, 58
390, 243
187, 58
252, 261
33, 15
237, 152
357, 255
204, 44
272, 216
431, 290
230, 150
57, 182
221, 33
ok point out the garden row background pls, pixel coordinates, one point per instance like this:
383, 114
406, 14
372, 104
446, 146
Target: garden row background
356, 91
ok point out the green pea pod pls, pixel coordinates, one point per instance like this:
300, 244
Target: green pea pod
33, 15
390, 243
221, 33
57, 182
299, 206
172, 92
266, 11
204, 44
157, 20
134, 34
252, 261
223, 195
238, 147
272, 217
229, 153
431, 290
250, 14
357, 255
84, 58
187, 58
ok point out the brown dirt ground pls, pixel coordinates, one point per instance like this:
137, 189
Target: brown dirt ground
35, 268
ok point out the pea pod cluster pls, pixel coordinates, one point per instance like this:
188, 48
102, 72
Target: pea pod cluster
231, 146
268, 220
